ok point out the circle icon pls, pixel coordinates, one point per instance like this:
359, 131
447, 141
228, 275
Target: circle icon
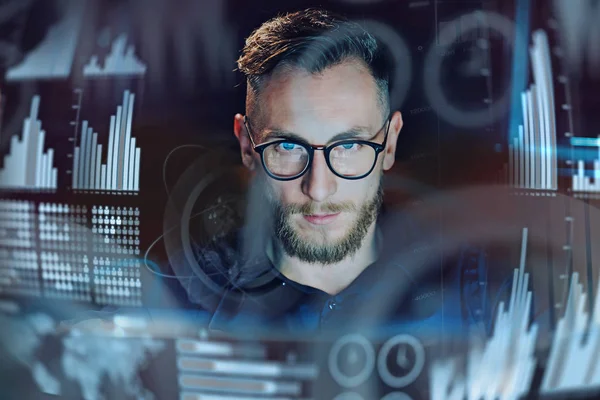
396, 396
401, 360
351, 360
348, 396
432, 78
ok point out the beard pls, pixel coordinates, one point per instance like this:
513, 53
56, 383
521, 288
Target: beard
319, 249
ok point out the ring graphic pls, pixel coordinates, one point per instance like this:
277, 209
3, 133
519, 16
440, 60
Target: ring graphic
410, 359
433, 71
348, 396
349, 348
396, 396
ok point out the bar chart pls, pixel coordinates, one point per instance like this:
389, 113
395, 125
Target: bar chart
533, 151
121, 172
120, 61
28, 166
581, 182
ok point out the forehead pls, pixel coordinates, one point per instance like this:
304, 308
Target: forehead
318, 106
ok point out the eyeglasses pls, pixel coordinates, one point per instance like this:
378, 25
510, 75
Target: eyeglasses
287, 159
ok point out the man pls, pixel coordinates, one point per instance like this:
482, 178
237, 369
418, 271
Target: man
318, 135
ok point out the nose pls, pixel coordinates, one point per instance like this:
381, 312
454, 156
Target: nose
319, 182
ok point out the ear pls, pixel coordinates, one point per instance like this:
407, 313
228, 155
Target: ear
247, 151
390, 149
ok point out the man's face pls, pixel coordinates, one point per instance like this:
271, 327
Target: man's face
320, 217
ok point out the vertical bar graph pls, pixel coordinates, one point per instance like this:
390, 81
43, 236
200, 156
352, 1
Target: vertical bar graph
121, 170
27, 166
533, 149
583, 182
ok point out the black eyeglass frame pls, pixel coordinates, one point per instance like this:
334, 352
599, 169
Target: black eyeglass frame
310, 149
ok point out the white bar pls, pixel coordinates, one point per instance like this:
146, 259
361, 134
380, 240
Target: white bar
542, 99
109, 154
43, 171
75, 167
515, 162
219, 349
35, 107
232, 385
580, 175
50, 160
29, 165
552, 154
82, 146
526, 128
32, 146
38, 158
29, 140
54, 179
269, 369
136, 173
547, 86
539, 90
543, 136
533, 127
121, 165
116, 148
523, 130
103, 177
127, 163
92, 177
535, 139
21, 158
521, 157
511, 162
131, 165
98, 166
88, 159
540, 102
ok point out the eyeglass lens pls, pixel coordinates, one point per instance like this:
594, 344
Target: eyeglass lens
288, 159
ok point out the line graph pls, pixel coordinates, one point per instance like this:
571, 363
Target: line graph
504, 366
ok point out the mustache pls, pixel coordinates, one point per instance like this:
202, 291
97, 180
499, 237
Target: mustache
313, 208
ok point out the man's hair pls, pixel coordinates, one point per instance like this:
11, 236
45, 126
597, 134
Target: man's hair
314, 40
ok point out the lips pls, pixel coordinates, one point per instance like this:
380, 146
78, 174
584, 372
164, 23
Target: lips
321, 219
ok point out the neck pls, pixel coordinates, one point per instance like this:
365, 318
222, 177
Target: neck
330, 278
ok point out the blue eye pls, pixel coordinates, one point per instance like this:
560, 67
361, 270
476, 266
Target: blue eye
348, 146
288, 146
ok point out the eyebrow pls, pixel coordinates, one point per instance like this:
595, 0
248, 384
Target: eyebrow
356, 132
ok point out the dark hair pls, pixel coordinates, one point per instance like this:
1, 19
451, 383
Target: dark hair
312, 39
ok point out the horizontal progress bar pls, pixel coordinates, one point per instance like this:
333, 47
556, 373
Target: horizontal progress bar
249, 368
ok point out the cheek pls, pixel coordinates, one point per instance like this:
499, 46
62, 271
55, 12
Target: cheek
359, 191
284, 192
